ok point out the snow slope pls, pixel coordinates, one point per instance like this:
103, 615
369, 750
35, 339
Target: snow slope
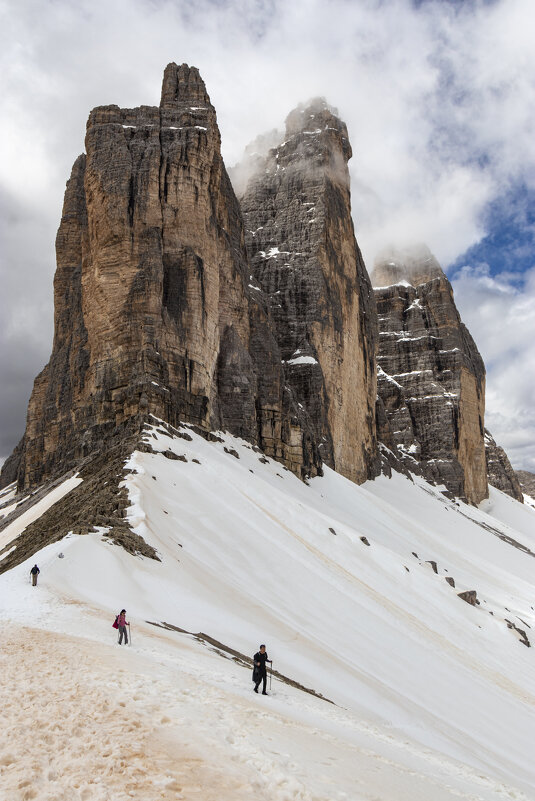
433, 698
35, 512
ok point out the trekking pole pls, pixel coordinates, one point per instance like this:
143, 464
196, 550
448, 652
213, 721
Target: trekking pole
129, 636
270, 674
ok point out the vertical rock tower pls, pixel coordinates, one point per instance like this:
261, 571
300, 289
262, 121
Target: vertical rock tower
306, 260
152, 303
431, 381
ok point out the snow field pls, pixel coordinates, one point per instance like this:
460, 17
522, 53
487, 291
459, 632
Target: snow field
436, 699
88, 721
93, 727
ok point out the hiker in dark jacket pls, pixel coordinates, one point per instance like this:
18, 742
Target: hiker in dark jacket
34, 572
121, 625
259, 669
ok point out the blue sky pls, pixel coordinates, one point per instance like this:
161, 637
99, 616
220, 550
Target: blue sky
494, 283
509, 245
438, 98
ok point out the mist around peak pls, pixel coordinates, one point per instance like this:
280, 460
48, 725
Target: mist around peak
412, 263
304, 125
253, 156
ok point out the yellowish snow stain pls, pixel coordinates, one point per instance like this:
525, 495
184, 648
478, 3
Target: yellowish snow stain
80, 727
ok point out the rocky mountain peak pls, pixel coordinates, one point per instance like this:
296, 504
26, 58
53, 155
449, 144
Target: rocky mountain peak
299, 118
316, 133
413, 264
181, 85
173, 299
154, 314
431, 383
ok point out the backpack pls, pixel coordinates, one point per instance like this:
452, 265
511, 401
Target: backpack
115, 624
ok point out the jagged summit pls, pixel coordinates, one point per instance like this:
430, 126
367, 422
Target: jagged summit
297, 119
314, 135
182, 84
315, 126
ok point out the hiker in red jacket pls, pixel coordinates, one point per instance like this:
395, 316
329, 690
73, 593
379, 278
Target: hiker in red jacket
121, 625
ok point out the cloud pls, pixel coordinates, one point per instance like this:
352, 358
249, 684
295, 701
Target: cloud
437, 96
500, 313
25, 310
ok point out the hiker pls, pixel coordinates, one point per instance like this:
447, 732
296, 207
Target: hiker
121, 625
259, 669
34, 572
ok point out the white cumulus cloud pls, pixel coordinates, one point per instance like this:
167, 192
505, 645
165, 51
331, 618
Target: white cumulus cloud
500, 314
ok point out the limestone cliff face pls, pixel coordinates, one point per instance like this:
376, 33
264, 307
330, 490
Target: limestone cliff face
173, 299
153, 312
500, 473
164, 276
305, 258
431, 381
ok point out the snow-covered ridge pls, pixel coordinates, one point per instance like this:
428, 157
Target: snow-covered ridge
27, 517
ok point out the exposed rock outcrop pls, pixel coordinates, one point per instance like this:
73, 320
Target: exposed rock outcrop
153, 312
527, 482
431, 378
305, 258
470, 596
500, 473
522, 636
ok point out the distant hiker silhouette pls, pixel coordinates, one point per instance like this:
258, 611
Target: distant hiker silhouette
260, 670
34, 572
121, 625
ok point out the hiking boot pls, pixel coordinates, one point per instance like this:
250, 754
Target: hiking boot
264, 693
256, 689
